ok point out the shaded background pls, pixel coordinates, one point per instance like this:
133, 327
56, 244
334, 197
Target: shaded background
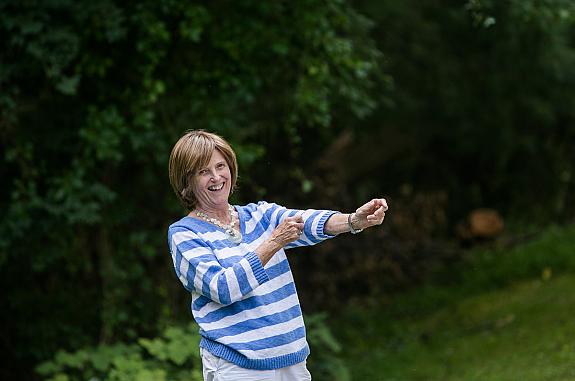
442, 107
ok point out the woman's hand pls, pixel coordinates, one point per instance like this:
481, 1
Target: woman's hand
288, 231
369, 214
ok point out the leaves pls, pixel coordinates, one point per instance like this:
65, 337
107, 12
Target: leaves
174, 355
325, 364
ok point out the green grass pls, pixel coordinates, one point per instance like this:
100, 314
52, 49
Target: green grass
504, 320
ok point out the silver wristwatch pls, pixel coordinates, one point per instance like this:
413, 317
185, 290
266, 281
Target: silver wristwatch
351, 229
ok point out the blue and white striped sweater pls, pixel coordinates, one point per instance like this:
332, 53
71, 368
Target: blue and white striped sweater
248, 314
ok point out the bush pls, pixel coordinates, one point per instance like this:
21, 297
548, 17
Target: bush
174, 356
324, 363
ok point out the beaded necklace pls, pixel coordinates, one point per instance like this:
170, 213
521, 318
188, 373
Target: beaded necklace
232, 233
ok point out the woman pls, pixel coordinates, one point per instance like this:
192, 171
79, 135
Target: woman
232, 260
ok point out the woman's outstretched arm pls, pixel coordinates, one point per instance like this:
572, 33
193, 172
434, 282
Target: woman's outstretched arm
369, 214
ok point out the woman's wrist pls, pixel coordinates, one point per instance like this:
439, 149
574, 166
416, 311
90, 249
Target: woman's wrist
353, 223
267, 250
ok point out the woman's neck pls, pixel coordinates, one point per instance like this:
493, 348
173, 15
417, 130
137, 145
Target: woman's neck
220, 213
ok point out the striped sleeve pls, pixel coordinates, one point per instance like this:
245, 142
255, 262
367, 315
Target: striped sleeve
198, 269
314, 223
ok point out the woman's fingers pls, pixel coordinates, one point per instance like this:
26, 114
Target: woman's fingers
379, 202
299, 227
291, 228
371, 207
295, 221
378, 215
375, 210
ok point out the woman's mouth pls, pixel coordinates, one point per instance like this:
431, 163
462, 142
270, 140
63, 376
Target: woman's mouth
215, 188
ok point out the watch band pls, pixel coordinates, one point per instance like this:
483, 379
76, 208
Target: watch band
351, 229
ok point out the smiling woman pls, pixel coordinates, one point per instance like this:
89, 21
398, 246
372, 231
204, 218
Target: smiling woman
212, 183
232, 260
198, 158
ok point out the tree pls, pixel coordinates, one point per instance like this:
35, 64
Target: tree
93, 96
483, 104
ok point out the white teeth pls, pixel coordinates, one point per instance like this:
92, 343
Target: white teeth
216, 187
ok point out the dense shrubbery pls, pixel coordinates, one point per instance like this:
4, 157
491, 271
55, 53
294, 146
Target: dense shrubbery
471, 104
174, 355
483, 116
93, 96
483, 107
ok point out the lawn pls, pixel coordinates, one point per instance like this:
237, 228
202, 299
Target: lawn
523, 330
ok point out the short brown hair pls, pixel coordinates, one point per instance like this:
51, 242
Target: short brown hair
192, 152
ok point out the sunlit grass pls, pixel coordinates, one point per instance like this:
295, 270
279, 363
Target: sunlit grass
524, 332
522, 329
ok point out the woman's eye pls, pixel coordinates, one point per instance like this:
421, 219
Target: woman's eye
202, 172
221, 165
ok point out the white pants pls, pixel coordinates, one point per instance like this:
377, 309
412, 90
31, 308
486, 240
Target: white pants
218, 369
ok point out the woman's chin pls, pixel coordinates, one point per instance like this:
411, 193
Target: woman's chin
221, 198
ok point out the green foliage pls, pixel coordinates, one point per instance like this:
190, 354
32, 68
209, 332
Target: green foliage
484, 324
483, 104
325, 363
483, 270
177, 347
552, 249
174, 355
521, 332
94, 94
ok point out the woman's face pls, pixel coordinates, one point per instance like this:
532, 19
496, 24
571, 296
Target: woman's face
212, 184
